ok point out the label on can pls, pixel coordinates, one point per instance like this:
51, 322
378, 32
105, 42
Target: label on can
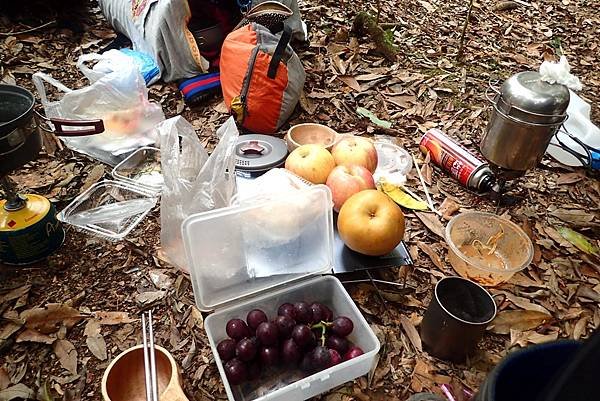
33, 242
450, 156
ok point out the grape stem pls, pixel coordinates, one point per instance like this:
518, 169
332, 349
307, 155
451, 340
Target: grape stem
323, 326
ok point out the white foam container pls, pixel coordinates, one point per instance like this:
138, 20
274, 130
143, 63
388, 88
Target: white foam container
223, 246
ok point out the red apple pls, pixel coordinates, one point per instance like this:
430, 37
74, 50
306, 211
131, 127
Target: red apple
311, 162
355, 150
345, 181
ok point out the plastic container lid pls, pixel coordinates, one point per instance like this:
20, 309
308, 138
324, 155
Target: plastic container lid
241, 250
392, 159
109, 209
259, 152
141, 169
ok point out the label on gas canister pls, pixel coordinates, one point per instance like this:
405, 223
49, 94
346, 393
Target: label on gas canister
28, 244
450, 156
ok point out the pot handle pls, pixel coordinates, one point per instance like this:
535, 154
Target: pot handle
93, 126
489, 97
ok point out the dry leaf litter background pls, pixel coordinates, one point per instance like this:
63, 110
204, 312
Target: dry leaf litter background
64, 320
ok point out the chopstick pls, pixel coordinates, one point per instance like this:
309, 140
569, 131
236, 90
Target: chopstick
429, 201
149, 358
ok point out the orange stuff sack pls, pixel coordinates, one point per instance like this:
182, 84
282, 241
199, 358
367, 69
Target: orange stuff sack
261, 77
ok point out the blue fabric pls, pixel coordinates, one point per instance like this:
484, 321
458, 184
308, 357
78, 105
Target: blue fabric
200, 87
146, 64
524, 374
595, 162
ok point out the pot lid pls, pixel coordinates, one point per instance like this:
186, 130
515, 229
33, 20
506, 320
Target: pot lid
259, 152
527, 91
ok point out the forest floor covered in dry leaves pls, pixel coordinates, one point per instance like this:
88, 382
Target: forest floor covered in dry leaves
98, 289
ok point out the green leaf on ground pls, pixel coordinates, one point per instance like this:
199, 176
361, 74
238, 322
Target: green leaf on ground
580, 241
374, 119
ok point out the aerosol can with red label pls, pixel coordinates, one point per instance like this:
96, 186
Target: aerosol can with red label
457, 161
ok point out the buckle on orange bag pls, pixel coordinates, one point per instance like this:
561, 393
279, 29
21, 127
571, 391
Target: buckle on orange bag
238, 109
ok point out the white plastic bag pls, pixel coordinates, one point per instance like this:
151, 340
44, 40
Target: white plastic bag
118, 98
193, 181
118, 60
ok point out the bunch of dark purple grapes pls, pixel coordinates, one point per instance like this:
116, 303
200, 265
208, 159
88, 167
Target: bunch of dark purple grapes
301, 335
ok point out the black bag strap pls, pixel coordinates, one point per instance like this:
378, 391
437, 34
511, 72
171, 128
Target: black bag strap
286, 36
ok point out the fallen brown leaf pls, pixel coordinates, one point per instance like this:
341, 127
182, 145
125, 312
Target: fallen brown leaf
15, 293
448, 208
578, 217
411, 332
94, 341
67, 355
8, 330
149, 296
18, 391
518, 320
112, 318
196, 320
29, 335
4, 378
424, 378
580, 328
49, 319
569, 178
524, 303
435, 258
93, 177
431, 221
350, 81
523, 338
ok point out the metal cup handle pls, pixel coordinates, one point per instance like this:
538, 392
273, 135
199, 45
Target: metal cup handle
498, 304
58, 126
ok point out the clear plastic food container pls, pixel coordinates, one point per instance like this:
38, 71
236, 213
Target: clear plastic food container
142, 169
486, 248
109, 209
259, 254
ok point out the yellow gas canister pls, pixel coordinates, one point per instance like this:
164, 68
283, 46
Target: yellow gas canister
29, 232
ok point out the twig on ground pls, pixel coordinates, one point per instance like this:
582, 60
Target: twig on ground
461, 46
28, 30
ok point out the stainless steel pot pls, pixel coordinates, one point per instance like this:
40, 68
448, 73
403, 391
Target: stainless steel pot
20, 139
526, 113
20, 142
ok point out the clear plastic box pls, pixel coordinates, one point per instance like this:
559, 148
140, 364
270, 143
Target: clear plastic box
327, 290
109, 209
142, 169
289, 233
240, 250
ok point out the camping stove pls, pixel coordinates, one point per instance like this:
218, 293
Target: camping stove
526, 113
29, 230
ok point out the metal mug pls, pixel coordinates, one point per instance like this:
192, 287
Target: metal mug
456, 318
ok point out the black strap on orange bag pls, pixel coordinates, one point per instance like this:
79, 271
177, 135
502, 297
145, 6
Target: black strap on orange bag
279, 52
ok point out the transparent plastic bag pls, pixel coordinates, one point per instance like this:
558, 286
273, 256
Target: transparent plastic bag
193, 181
118, 98
115, 60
